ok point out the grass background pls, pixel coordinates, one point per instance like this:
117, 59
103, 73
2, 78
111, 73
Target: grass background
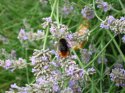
12, 14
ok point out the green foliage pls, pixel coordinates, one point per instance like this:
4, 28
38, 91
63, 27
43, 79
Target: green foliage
12, 14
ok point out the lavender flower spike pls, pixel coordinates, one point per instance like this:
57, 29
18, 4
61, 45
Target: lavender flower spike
87, 12
115, 25
118, 76
106, 24
103, 5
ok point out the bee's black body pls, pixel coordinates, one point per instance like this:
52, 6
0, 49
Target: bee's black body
63, 48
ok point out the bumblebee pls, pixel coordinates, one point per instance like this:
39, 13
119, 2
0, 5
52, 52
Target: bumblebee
63, 48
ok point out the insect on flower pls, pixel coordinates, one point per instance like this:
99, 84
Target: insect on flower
82, 31
63, 48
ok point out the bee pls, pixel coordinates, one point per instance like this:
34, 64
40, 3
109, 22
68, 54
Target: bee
63, 48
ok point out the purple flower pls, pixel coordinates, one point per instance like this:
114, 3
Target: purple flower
39, 31
86, 55
47, 22
56, 72
44, 58
56, 87
118, 76
102, 60
110, 19
40, 81
81, 72
8, 63
47, 19
55, 53
20, 61
67, 90
79, 89
123, 39
122, 18
112, 76
70, 71
53, 30
33, 60
46, 67
104, 6
22, 34
14, 86
72, 83
106, 24
87, 12
33, 70
54, 64
70, 36
74, 57
67, 10
62, 30
91, 71
52, 79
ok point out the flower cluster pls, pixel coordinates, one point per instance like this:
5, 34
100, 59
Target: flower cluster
6, 55
118, 76
11, 64
102, 60
32, 88
35, 88
103, 5
47, 22
115, 25
51, 75
61, 31
41, 61
85, 55
30, 36
67, 9
91, 71
87, 12
72, 38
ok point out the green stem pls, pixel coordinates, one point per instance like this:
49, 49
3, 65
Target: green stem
47, 31
115, 10
99, 53
45, 40
121, 4
95, 11
80, 63
57, 12
53, 8
27, 73
117, 46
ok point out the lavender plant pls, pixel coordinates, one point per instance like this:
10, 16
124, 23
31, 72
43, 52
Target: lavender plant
50, 75
31, 60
